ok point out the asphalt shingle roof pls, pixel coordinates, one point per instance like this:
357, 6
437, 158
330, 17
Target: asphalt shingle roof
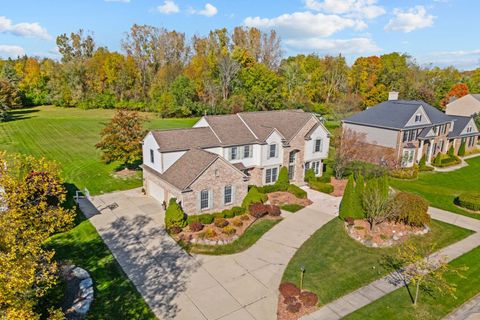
184, 139
459, 123
396, 114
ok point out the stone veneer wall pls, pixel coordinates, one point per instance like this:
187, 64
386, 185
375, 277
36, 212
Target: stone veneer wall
298, 143
215, 178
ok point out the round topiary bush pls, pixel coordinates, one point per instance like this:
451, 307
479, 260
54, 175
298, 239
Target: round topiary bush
288, 289
195, 226
308, 299
469, 200
229, 230
294, 308
220, 222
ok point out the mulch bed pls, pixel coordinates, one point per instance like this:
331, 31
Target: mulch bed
338, 186
282, 197
293, 303
385, 234
124, 174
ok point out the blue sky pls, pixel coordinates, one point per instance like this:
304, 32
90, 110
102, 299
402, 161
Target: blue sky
438, 32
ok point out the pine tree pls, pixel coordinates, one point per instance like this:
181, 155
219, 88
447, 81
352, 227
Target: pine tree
351, 205
174, 215
451, 152
283, 181
461, 150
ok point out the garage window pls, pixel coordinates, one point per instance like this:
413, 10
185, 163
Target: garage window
204, 199
152, 157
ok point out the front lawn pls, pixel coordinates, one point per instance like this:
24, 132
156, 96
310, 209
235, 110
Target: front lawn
245, 241
441, 188
335, 264
397, 305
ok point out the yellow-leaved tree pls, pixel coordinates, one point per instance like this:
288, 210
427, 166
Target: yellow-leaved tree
32, 199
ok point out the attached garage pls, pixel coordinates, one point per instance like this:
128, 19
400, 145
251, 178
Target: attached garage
155, 191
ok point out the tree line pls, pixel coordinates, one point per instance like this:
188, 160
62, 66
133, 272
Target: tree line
224, 72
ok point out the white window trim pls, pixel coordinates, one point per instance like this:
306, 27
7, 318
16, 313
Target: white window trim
269, 156
152, 156
320, 149
231, 195
208, 200
271, 175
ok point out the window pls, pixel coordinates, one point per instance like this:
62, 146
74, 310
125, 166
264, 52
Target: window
291, 157
307, 166
469, 129
227, 195
152, 157
442, 143
271, 175
204, 199
316, 166
318, 145
246, 152
272, 151
471, 141
233, 153
418, 117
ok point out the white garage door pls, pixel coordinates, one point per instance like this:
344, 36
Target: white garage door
156, 191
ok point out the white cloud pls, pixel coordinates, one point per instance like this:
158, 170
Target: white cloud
461, 59
168, 7
23, 29
208, 11
410, 20
354, 8
335, 46
10, 51
304, 24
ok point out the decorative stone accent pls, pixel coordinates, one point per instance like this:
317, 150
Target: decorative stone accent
214, 242
81, 285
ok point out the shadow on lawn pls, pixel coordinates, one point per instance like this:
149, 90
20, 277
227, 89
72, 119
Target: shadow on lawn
157, 266
21, 114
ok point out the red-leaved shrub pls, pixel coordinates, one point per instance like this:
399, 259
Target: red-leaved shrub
308, 299
289, 289
257, 210
273, 211
290, 300
294, 308
196, 226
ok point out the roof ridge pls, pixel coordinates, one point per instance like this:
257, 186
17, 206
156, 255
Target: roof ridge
215, 134
245, 123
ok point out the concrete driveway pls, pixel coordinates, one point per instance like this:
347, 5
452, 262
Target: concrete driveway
181, 286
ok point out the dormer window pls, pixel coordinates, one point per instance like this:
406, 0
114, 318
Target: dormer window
152, 156
469, 129
272, 151
418, 117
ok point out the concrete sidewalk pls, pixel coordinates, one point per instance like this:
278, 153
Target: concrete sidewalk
179, 286
361, 297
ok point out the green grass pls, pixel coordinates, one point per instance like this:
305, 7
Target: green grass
292, 207
397, 305
441, 188
68, 136
245, 241
335, 264
115, 295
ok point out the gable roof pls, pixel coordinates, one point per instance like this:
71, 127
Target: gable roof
459, 125
476, 96
395, 114
287, 122
183, 172
230, 129
184, 139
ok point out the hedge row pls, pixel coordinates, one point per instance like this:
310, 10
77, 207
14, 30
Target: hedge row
321, 186
469, 200
208, 218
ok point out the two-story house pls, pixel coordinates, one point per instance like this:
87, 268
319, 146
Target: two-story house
412, 129
208, 167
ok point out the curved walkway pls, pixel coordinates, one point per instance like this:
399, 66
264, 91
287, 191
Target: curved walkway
180, 286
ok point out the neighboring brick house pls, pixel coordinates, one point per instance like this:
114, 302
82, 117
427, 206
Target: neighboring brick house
412, 129
208, 167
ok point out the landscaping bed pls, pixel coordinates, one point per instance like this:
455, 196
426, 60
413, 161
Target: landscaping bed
338, 187
385, 234
280, 198
294, 303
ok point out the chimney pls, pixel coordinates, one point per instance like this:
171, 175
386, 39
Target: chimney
393, 95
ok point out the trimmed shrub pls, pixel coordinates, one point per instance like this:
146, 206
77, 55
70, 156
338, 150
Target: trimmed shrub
175, 230
253, 196
269, 188
425, 168
195, 226
309, 175
359, 185
292, 207
437, 161
218, 215
451, 151
244, 217
288, 289
206, 218
308, 299
325, 178
297, 191
412, 209
229, 230
193, 218
228, 213
283, 182
273, 211
174, 215
237, 211
257, 210
423, 161
220, 222
294, 307
208, 233
469, 200
321, 186
349, 207
290, 300
237, 222
461, 150
404, 173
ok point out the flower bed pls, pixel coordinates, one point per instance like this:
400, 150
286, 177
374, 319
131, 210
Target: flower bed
280, 198
385, 234
294, 303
